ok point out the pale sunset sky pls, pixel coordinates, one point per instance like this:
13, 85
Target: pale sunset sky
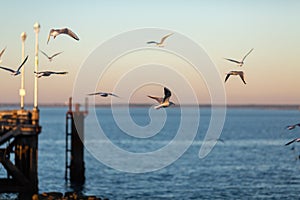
228, 28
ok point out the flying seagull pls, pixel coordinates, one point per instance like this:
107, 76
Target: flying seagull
240, 63
290, 127
48, 73
163, 102
161, 43
294, 140
1, 53
240, 73
17, 72
50, 57
104, 94
56, 32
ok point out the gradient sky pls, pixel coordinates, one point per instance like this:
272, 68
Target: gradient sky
226, 28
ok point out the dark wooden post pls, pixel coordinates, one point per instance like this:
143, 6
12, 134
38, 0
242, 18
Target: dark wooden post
77, 149
26, 160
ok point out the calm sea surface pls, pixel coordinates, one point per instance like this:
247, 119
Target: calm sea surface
251, 163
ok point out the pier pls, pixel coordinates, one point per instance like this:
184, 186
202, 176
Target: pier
19, 131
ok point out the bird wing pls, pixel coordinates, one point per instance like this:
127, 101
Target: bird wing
167, 94
158, 99
49, 37
231, 60
2, 52
165, 37
24, 61
46, 72
242, 77
59, 72
45, 54
113, 95
227, 77
290, 142
152, 42
158, 107
56, 54
96, 93
247, 54
291, 127
7, 69
70, 33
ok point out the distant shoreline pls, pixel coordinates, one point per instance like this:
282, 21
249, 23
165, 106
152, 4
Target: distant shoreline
248, 106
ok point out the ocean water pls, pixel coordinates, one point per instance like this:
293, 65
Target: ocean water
251, 161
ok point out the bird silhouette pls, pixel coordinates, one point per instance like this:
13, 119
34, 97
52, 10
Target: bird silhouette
50, 57
48, 73
161, 43
235, 73
15, 72
240, 63
56, 32
163, 101
103, 94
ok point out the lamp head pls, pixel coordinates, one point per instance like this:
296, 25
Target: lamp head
23, 36
36, 27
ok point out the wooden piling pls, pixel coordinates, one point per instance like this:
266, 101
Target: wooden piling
75, 166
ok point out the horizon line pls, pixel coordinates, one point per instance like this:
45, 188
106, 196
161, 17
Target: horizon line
252, 105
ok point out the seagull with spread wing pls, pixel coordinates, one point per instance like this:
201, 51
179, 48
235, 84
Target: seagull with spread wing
240, 63
235, 73
1, 53
15, 72
104, 94
48, 73
56, 32
161, 43
50, 57
163, 101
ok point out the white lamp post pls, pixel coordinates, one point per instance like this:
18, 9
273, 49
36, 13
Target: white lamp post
36, 28
22, 90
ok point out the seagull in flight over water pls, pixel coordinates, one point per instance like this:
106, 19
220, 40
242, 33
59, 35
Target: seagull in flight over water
240, 63
15, 72
163, 102
240, 73
104, 94
48, 73
1, 53
56, 32
294, 140
50, 57
290, 127
161, 43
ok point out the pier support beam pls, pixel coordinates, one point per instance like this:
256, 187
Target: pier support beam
75, 146
26, 151
21, 135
